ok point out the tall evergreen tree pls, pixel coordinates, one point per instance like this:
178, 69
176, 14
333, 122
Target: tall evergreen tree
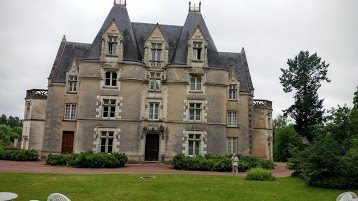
304, 77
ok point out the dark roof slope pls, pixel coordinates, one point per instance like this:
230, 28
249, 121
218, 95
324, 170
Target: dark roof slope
193, 20
120, 15
142, 31
67, 52
235, 61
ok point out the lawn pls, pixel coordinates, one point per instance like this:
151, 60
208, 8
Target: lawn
163, 187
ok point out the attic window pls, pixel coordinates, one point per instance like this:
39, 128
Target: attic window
156, 54
197, 47
112, 45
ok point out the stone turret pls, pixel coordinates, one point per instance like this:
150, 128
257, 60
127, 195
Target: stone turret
262, 129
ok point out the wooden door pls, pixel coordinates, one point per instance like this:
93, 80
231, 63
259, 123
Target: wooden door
67, 141
152, 147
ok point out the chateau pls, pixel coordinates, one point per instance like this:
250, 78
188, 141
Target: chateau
150, 91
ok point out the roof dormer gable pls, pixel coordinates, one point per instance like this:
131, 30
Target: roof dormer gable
197, 49
112, 43
156, 48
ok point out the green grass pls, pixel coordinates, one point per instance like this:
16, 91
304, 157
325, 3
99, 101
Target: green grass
164, 187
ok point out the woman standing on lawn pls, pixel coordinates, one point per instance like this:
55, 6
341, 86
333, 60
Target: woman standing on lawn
235, 164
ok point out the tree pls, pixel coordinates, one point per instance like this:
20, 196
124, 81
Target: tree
285, 139
279, 122
304, 76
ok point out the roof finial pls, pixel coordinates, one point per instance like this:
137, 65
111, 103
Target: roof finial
194, 8
64, 38
120, 2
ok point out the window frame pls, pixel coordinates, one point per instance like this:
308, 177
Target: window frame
231, 120
197, 51
232, 91
109, 108
155, 80
195, 111
153, 113
113, 80
112, 45
196, 83
72, 83
194, 144
70, 111
232, 143
108, 137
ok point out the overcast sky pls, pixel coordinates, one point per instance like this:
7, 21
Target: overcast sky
271, 31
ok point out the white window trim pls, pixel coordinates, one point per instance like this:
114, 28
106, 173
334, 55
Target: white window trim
235, 92
231, 118
97, 139
195, 52
156, 79
203, 115
157, 107
233, 145
103, 81
70, 114
72, 83
203, 140
203, 79
109, 42
100, 108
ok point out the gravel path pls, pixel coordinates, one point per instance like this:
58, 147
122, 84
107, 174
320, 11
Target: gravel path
146, 168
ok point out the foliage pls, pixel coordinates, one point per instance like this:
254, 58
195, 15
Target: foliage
331, 160
19, 155
217, 163
279, 122
285, 139
10, 121
9, 134
304, 75
88, 160
259, 174
174, 187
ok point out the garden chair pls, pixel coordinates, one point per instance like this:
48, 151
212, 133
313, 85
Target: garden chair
57, 197
347, 196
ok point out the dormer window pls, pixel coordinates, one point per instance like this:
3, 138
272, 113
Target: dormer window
197, 47
72, 83
156, 54
112, 45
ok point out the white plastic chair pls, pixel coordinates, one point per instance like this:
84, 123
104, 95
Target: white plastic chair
347, 196
57, 197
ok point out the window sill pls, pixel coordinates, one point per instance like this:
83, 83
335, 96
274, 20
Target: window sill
231, 126
233, 100
197, 61
154, 91
110, 87
72, 92
111, 55
70, 120
196, 92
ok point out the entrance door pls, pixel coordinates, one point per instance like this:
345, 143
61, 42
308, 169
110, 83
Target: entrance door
67, 141
152, 147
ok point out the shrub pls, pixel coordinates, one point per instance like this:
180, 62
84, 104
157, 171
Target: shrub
19, 155
88, 160
217, 163
259, 174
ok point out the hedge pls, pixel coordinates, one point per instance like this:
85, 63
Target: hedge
19, 155
218, 163
88, 160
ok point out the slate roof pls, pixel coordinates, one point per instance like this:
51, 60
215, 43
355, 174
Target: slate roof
67, 52
135, 34
237, 62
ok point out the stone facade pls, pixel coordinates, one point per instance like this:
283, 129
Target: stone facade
150, 91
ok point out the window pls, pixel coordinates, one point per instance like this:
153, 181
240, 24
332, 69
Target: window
109, 107
197, 51
72, 83
194, 144
231, 145
107, 141
231, 118
154, 81
27, 112
156, 53
154, 111
70, 111
232, 91
110, 79
195, 111
195, 83
112, 45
